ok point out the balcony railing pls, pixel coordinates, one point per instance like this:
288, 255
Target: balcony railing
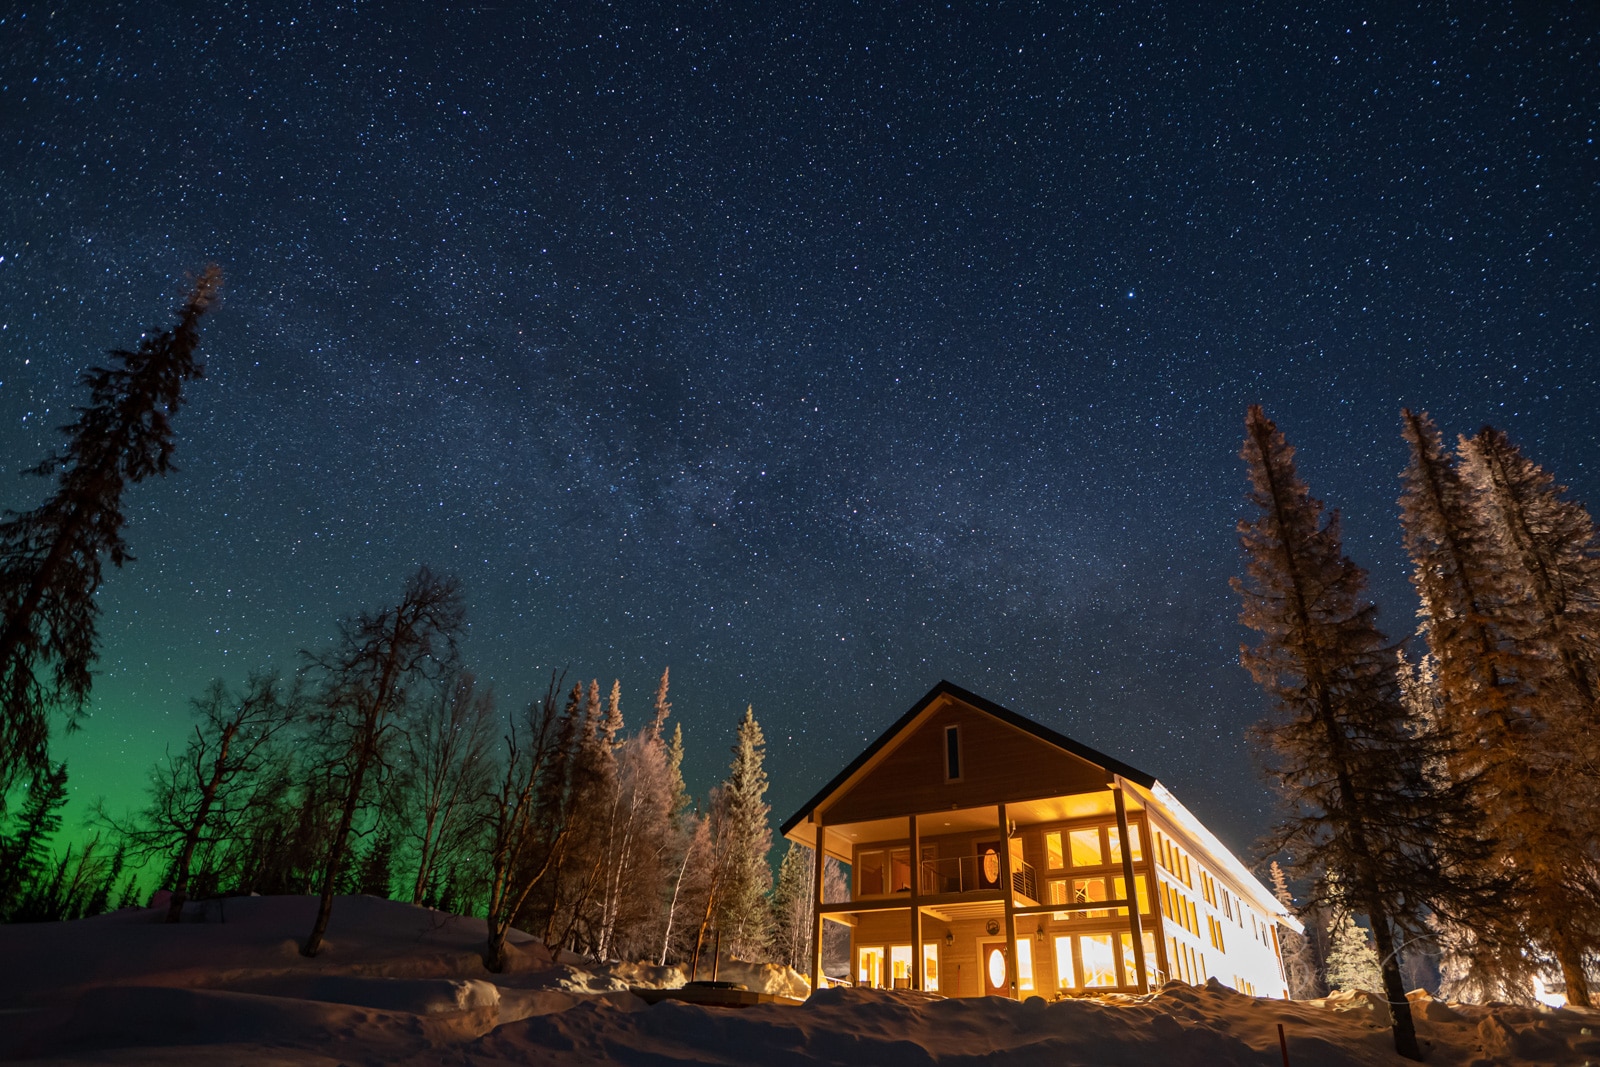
964, 874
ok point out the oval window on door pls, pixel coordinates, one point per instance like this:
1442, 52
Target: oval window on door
991, 866
997, 967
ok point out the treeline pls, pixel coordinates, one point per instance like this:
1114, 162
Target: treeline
385, 768
1448, 797
381, 768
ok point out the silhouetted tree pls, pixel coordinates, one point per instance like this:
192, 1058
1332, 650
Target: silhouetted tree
196, 800
527, 816
365, 679
448, 769
51, 557
24, 847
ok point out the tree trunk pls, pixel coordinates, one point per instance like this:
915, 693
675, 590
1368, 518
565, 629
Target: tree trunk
1570, 956
336, 850
1394, 990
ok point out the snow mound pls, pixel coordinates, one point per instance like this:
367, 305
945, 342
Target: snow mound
406, 986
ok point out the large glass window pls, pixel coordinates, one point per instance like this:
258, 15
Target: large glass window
1085, 847
930, 967
900, 966
883, 871
1024, 965
869, 968
1066, 976
1115, 838
1099, 965
1054, 858
872, 873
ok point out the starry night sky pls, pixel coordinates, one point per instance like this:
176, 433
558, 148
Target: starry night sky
820, 351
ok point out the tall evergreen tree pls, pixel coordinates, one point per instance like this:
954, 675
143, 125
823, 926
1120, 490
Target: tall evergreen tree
51, 557
744, 840
1346, 757
1542, 765
24, 846
365, 680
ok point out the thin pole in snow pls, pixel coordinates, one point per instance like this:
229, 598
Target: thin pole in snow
1283, 1045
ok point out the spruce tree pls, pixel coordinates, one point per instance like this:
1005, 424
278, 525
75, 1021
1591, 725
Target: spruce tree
51, 557
1340, 746
1543, 560
1352, 964
745, 838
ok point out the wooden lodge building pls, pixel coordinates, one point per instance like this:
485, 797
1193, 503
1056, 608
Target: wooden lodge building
1025, 842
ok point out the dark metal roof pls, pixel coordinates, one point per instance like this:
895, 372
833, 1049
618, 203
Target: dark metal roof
989, 707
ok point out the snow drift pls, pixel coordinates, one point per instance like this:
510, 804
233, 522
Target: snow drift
405, 985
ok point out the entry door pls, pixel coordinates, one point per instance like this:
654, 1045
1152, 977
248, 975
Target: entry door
996, 970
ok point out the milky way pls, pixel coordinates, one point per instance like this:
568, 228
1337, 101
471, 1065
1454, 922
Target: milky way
820, 355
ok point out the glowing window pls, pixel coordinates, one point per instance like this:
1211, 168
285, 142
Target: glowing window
1066, 977
1053, 856
1099, 965
1085, 847
1115, 838
997, 967
869, 968
900, 966
930, 967
1024, 965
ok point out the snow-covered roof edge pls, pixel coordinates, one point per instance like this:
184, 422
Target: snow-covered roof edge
1170, 806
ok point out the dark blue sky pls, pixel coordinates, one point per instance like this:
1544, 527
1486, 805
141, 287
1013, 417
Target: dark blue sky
819, 351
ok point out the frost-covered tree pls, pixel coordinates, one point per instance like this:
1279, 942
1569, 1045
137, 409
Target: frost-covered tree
792, 907
1299, 962
365, 678
51, 557
744, 838
1506, 574
1352, 964
1346, 756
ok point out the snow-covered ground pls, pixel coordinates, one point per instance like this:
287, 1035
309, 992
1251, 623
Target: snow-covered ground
403, 985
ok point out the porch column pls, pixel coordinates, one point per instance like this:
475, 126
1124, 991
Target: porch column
916, 906
1010, 900
1142, 980
814, 968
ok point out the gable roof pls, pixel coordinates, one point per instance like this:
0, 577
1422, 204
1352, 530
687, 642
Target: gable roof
988, 707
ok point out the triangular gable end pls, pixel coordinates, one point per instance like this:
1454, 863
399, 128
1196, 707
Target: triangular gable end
1003, 756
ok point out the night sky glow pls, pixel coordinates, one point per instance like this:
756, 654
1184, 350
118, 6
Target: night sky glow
818, 351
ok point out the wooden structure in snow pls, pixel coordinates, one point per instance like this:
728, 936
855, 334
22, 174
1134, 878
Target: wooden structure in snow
990, 855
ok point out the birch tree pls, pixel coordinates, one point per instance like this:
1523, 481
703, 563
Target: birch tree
365, 678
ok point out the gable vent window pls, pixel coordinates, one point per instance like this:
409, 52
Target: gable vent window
952, 753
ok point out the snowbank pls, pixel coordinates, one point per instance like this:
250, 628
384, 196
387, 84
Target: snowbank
404, 985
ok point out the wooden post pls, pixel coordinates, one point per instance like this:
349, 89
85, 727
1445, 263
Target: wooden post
814, 970
1010, 900
1142, 977
916, 908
